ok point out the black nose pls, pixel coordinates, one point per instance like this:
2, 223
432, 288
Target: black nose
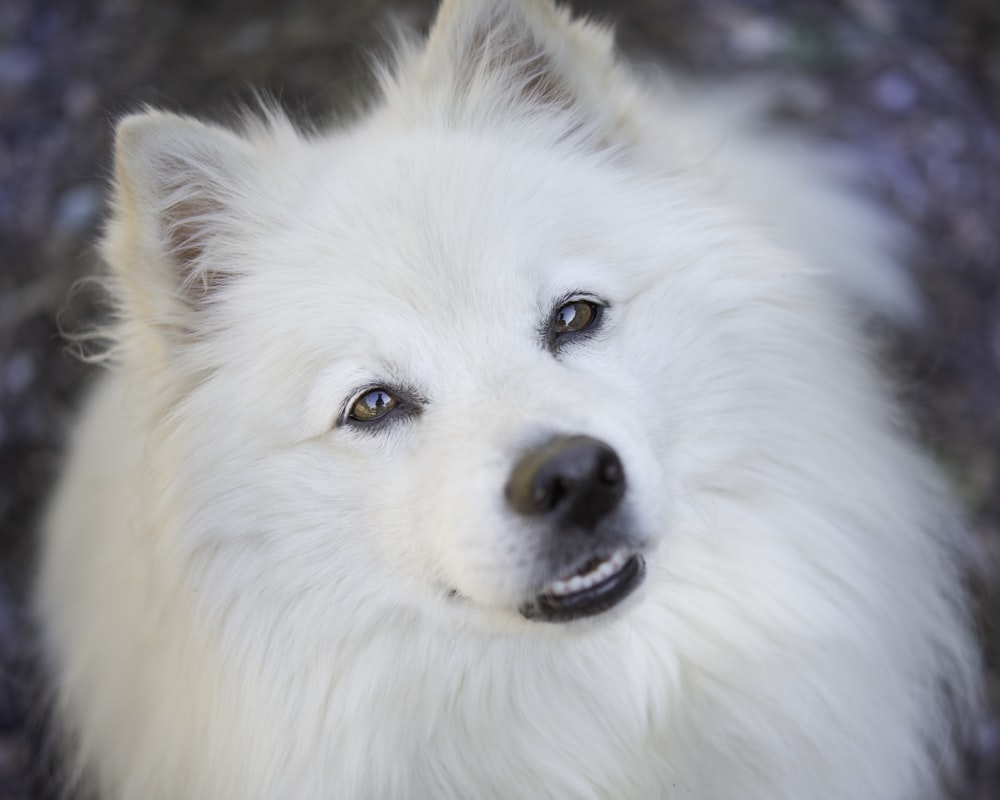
575, 480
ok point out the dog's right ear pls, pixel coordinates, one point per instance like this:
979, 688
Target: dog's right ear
182, 191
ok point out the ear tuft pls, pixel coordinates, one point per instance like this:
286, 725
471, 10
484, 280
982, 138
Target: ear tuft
487, 61
483, 43
178, 181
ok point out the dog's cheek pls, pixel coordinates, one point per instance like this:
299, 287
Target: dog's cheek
465, 535
484, 554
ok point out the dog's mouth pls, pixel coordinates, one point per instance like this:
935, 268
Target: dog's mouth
600, 584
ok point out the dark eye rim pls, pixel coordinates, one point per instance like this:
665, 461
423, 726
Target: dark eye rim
554, 339
407, 404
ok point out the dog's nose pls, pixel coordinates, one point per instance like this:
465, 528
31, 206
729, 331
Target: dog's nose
575, 480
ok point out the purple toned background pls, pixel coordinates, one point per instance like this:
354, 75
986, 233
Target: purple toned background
912, 85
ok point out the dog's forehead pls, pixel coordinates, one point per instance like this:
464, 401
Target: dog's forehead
451, 238
421, 216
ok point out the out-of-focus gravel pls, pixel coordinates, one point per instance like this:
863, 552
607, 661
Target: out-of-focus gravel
912, 85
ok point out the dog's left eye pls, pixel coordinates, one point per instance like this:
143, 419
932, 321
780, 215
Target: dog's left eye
579, 316
575, 316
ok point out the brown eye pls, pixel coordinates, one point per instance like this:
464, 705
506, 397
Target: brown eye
575, 316
372, 405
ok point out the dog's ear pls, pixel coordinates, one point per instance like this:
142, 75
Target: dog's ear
490, 59
177, 182
187, 196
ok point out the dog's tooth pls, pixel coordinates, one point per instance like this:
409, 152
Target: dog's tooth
600, 573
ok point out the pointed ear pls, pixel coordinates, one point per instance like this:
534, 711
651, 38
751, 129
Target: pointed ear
179, 186
490, 58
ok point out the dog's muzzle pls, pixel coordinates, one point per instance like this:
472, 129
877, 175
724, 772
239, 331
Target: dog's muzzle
570, 490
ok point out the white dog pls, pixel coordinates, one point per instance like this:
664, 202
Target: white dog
514, 441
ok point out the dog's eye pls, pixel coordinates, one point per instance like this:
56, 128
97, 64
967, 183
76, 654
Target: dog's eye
371, 405
578, 317
575, 316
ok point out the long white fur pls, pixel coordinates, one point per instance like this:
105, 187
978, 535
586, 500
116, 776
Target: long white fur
242, 599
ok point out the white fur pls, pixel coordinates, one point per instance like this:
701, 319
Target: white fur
243, 599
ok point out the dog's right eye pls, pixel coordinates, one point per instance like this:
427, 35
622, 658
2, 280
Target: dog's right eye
371, 405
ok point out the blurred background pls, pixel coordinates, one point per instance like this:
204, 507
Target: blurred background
912, 85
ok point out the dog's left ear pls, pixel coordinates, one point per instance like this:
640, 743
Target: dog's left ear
489, 60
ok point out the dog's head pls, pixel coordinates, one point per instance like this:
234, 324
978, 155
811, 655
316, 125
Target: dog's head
466, 354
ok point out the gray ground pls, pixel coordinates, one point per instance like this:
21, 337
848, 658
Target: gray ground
914, 85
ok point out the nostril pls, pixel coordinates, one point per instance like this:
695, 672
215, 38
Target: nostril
611, 472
